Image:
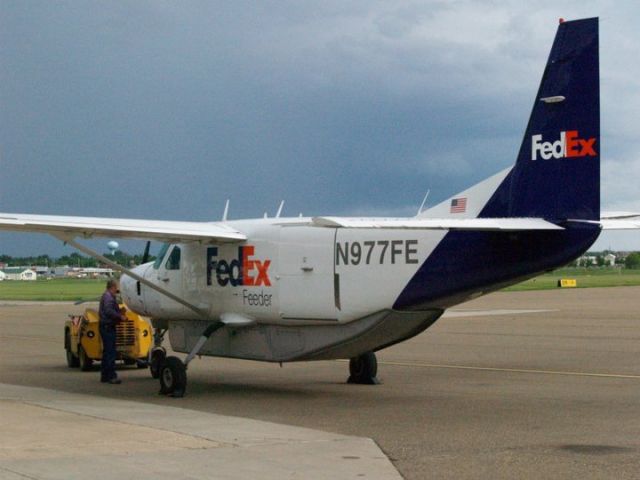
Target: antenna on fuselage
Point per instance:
(423, 202)
(226, 211)
(280, 209)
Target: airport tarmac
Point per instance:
(513, 385)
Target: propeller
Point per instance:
(145, 255)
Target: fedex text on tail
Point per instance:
(569, 145)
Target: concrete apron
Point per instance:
(48, 434)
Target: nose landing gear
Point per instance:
(173, 372)
(173, 377)
(158, 354)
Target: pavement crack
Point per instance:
(20, 474)
(122, 422)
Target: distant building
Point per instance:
(60, 271)
(610, 259)
(41, 269)
(622, 256)
(587, 260)
(20, 273)
(97, 272)
(88, 272)
(2, 275)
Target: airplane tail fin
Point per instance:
(557, 172)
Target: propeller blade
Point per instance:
(145, 256)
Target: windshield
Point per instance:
(173, 262)
(161, 254)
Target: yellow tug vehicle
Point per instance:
(83, 344)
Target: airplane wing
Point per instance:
(87, 227)
(484, 224)
(620, 220)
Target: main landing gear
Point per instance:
(173, 372)
(363, 369)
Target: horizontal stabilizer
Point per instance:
(480, 224)
(87, 227)
(616, 221)
(620, 224)
(619, 215)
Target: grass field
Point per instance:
(586, 277)
(71, 289)
(59, 289)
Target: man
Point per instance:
(110, 316)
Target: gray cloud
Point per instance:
(163, 110)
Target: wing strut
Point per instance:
(135, 276)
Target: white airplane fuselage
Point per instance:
(287, 273)
(308, 289)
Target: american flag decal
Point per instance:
(459, 205)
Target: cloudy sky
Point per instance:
(163, 110)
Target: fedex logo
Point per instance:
(243, 270)
(569, 145)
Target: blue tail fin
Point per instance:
(557, 174)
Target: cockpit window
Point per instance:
(173, 262)
(161, 254)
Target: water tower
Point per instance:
(113, 246)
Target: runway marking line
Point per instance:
(28, 337)
(512, 370)
(493, 312)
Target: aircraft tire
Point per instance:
(72, 360)
(173, 377)
(84, 361)
(158, 357)
(363, 369)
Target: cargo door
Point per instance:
(306, 273)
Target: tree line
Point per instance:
(632, 261)
(72, 260)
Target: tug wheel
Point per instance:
(72, 360)
(173, 377)
(84, 361)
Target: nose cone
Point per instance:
(131, 291)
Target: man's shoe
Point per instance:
(115, 381)
(103, 380)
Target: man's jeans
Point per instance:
(108, 363)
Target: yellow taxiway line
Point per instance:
(511, 370)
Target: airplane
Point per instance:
(317, 288)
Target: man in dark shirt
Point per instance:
(110, 316)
